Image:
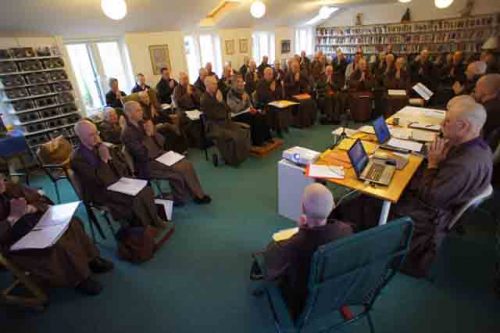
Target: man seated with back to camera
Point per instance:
(289, 261)
(97, 167)
(145, 145)
(459, 167)
(238, 101)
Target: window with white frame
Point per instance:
(94, 63)
(200, 49)
(304, 40)
(263, 44)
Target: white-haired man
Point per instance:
(289, 261)
(459, 167)
(111, 126)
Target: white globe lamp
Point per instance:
(114, 9)
(258, 9)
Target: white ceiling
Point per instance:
(84, 17)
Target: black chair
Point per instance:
(206, 141)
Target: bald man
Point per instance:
(146, 145)
(199, 83)
(165, 87)
(422, 70)
(269, 89)
(487, 92)
(186, 97)
(327, 91)
(459, 167)
(97, 167)
(473, 73)
(289, 261)
(233, 139)
(296, 83)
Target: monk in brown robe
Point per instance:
(296, 83)
(69, 263)
(289, 261)
(487, 93)
(459, 167)
(232, 138)
(399, 79)
(251, 78)
(96, 167)
(110, 129)
(186, 97)
(474, 71)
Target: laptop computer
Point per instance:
(368, 169)
(386, 142)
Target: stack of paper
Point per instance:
(325, 171)
(427, 127)
(193, 115)
(284, 234)
(423, 91)
(129, 186)
(52, 225)
(396, 92)
(282, 104)
(405, 144)
(170, 158)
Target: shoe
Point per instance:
(89, 287)
(100, 265)
(203, 201)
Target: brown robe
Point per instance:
(289, 261)
(65, 264)
(278, 119)
(492, 108)
(305, 114)
(95, 176)
(431, 199)
(110, 132)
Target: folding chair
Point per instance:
(206, 141)
(55, 172)
(130, 163)
(37, 298)
(349, 272)
(471, 204)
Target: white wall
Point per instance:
(283, 33)
(138, 49)
(236, 59)
(420, 10)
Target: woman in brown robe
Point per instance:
(70, 262)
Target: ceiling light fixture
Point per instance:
(114, 9)
(324, 13)
(443, 3)
(258, 9)
(404, 1)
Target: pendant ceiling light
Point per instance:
(258, 9)
(114, 9)
(404, 1)
(443, 3)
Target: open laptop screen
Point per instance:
(358, 157)
(381, 130)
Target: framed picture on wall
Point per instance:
(285, 46)
(229, 47)
(244, 45)
(160, 57)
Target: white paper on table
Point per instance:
(396, 92)
(129, 186)
(193, 114)
(423, 136)
(325, 171)
(51, 226)
(423, 91)
(168, 206)
(401, 133)
(349, 132)
(427, 127)
(415, 111)
(239, 113)
(367, 129)
(170, 158)
(284, 234)
(405, 144)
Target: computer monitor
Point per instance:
(381, 130)
(358, 156)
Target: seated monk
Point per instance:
(186, 97)
(200, 81)
(232, 138)
(459, 167)
(145, 145)
(97, 167)
(331, 101)
(296, 83)
(270, 89)
(69, 263)
(487, 93)
(473, 73)
(289, 261)
(111, 129)
(238, 101)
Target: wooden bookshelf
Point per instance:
(446, 35)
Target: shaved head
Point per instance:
(464, 120)
(476, 68)
(87, 133)
(487, 87)
(133, 111)
(317, 204)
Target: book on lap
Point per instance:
(49, 229)
(170, 158)
(282, 104)
(129, 186)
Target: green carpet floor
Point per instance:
(198, 281)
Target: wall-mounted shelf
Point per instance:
(29, 58)
(33, 84)
(33, 71)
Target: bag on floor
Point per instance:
(136, 244)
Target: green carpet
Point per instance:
(198, 281)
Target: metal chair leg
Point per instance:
(93, 220)
(370, 322)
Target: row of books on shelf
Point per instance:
(477, 22)
(38, 139)
(50, 124)
(43, 102)
(404, 48)
(459, 36)
(29, 52)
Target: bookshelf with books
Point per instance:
(446, 35)
(36, 94)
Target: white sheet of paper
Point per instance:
(52, 225)
(423, 136)
(396, 92)
(170, 158)
(367, 129)
(325, 171)
(348, 131)
(168, 205)
(242, 112)
(405, 144)
(423, 91)
(129, 186)
(193, 114)
(401, 133)
(413, 111)
(427, 127)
